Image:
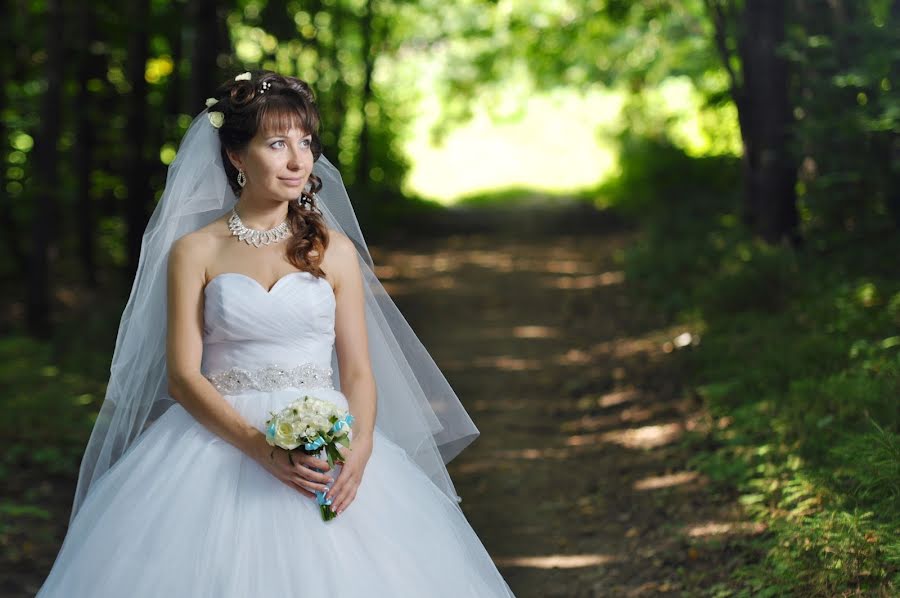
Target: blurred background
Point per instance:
(653, 244)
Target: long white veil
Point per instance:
(417, 408)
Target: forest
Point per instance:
(744, 238)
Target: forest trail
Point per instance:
(578, 484)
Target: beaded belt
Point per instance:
(273, 377)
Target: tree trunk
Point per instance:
(770, 199)
(46, 179)
(339, 89)
(364, 159)
(137, 179)
(760, 91)
(89, 66)
(175, 101)
(13, 242)
(204, 71)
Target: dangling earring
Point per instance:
(241, 179)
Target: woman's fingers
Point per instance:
(311, 461)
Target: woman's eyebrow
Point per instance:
(274, 135)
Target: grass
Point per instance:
(800, 354)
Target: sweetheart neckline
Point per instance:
(259, 284)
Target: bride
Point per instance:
(254, 288)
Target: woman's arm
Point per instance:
(351, 339)
(357, 382)
(184, 346)
(184, 350)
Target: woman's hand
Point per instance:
(299, 475)
(355, 459)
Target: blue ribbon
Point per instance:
(320, 498)
(341, 423)
(316, 444)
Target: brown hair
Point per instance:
(270, 101)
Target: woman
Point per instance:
(247, 297)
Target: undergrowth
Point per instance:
(799, 353)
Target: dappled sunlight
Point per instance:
(533, 454)
(624, 347)
(647, 437)
(617, 397)
(535, 332)
(492, 260)
(383, 272)
(723, 528)
(573, 357)
(581, 283)
(565, 266)
(439, 283)
(591, 423)
(508, 363)
(657, 482)
(557, 561)
(632, 414)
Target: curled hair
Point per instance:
(272, 102)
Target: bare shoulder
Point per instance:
(339, 244)
(340, 259)
(193, 251)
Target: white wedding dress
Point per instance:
(185, 514)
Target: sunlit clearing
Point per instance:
(557, 561)
(552, 145)
(665, 481)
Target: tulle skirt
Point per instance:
(186, 514)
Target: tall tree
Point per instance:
(90, 66)
(137, 175)
(204, 16)
(8, 40)
(46, 181)
(749, 36)
(367, 49)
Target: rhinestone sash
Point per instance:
(273, 377)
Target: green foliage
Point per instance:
(800, 358)
(846, 110)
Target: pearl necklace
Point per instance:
(254, 237)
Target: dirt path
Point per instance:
(577, 485)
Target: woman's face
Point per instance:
(277, 164)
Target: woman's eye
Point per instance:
(306, 142)
(279, 141)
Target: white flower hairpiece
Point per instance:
(210, 102)
(215, 118)
(243, 77)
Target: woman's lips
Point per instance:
(292, 182)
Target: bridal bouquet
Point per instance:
(314, 426)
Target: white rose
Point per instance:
(285, 437)
(243, 77)
(216, 118)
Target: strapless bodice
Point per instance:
(247, 327)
